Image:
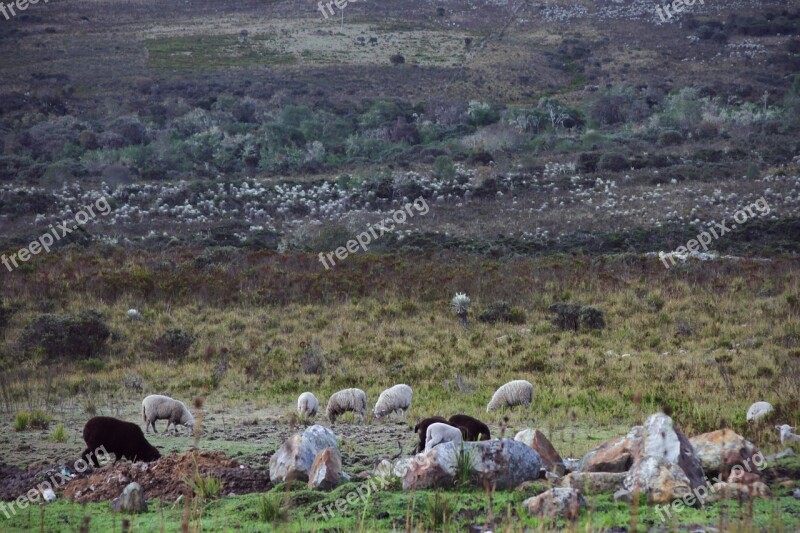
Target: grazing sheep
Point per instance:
(157, 407)
(787, 435)
(758, 410)
(397, 398)
(307, 404)
(347, 400)
(474, 428)
(517, 392)
(123, 439)
(439, 433)
(422, 430)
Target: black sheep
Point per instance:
(123, 439)
(472, 428)
(422, 428)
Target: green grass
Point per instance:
(443, 510)
(212, 51)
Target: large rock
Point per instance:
(666, 466)
(551, 460)
(594, 482)
(434, 468)
(326, 472)
(556, 503)
(130, 501)
(504, 463)
(614, 455)
(294, 459)
(720, 450)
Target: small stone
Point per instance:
(130, 501)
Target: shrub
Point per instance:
(613, 162)
(173, 344)
(70, 337)
(397, 59)
(502, 312)
(574, 316)
(443, 168)
(313, 360)
(270, 508)
(587, 162)
(482, 114)
(22, 421)
(59, 434)
(670, 137)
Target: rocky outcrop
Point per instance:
(556, 503)
(294, 459)
(551, 460)
(326, 472)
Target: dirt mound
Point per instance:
(15, 481)
(166, 478)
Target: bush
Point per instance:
(58, 336)
(482, 114)
(613, 162)
(59, 434)
(502, 312)
(574, 316)
(173, 344)
(670, 137)
(443, 168)
(587, 162)
(37, 419)
(397, 59)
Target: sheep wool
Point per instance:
(513, 393)
(787, 436)
(397, 398)
(307, 404)
(158, 407)
(758, 410)
(439, 433)
(347, 400)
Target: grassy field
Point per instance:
(701, 341)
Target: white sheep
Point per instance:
(787, 435)
(440, 433)
(347, 400)
(393, 399)
(517, 392)
(157, 407)
(307, 404)
(759, 410)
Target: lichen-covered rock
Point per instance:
(666, 466)
(131, 500)
(326, 472)
(551, 460)
(556, 503)
(720, 450)
(294, 459)
(504, 463)
(614, 455)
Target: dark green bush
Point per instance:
(502, 311)
(173, 344)
(613, 162)
(63, 336)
